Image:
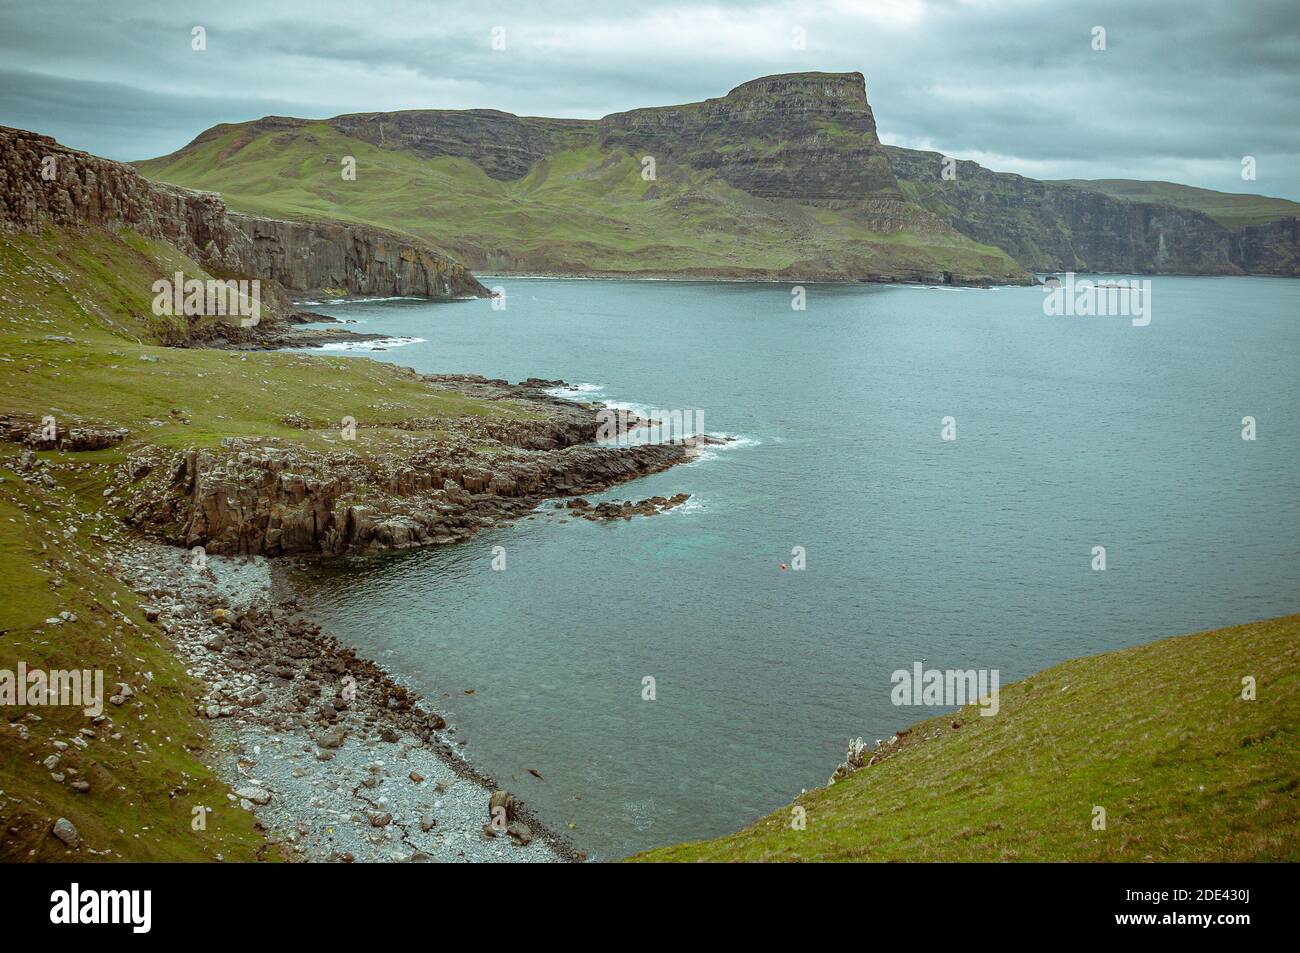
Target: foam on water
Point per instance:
(384, 344)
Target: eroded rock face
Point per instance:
(505, 146)
(275, 501)
(43, 183)
(808, 137)
(805, 137)
(1053, 227)
(1272, 248)
(327, 256)
(79, 436)
(250, 498)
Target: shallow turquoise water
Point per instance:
(975, 553)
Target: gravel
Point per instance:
(330, 774)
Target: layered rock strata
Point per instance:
(44, 184)
(446, 480)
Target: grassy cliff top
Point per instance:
(579, 209)
(1230, 209)
(78, 339)
(1159, 736)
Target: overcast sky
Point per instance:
(1183, 90)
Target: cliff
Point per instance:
(1058, 227)
(361, 260)
(804, 137)
(783, 178)
(44, 184)
(253, 499)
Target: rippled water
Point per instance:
(974, 553)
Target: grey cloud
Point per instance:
(1184, 86)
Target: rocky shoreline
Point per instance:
(44, 184)
(781, 277)
(282, 334)
(338, 761)
(438, 481)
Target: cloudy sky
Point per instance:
(1183, 90)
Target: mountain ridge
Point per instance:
(783, 177)
(1063, 226)
(46, 184)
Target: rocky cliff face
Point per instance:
(505, 146)
(44, 184)
(317, 256)
(1272, 248)
(808, 137)
(775, 153)
(1051, 227)
(257, 498)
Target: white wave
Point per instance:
(641, 410)
(710, 451)
(382, 344)
(916, 287)
(375, 300)
(576, 392)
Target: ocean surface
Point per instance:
(978, 552)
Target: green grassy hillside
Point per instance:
(78, 334)
(1159, 736)
(579, 210)
(78, 340)
(1230, 209)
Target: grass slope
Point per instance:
(578, 211)
(144, 769)
(1232, 210)
(78, 340)
(1157, 735)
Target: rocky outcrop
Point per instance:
(316, 257)
(51, 435)
(1271, 248)
(505, 146)
(43, 184)
(608, 510)
(252, 500)
(270, 498)
(806, 137)
(1054, 227)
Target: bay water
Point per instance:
(976, 552)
